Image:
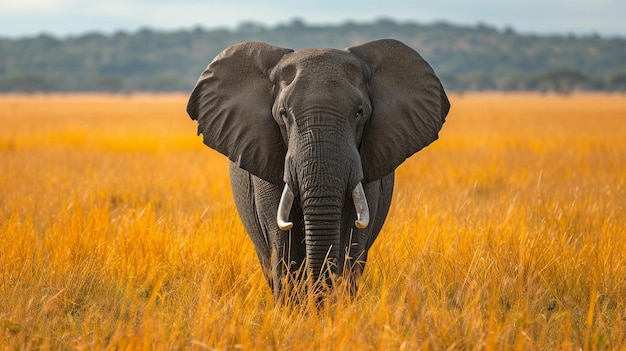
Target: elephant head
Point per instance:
(320, 122)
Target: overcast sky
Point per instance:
(19, 18)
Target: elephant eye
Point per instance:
(358, 113)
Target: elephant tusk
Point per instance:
(284, 208)
(360, 204)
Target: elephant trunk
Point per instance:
(322, 229)
(324, 171)
(322, 205)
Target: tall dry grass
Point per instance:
(117, 231)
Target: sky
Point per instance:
(61, 18)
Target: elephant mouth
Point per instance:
(358, 197)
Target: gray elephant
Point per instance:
(314, 137)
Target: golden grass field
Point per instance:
(118, 231)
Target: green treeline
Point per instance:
(465, 57)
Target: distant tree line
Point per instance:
(476, 57)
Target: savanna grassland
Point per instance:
(118, 231)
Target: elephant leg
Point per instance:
(359, 241)
(384, 190)
(286, 247)
(243, 188)
(279, 252)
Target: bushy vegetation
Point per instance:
(118, 232)
(466, 57)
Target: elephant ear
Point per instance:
(409, 106)
(232, 102)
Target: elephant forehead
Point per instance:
(323, 62)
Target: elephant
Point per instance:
(314, 137)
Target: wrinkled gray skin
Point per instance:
(319, 121)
